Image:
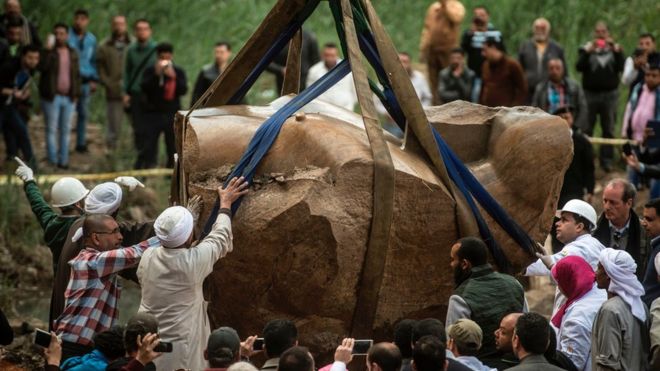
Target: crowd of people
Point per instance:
(141, 80)
(606, 308)
(600, 318)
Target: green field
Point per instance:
(194, 26)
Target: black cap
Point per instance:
(222, 339)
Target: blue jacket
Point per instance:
(94, 361)
(86, 48)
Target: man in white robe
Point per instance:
(620, 337)
(171, 277)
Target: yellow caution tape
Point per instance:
(611, 141)
(52, 178)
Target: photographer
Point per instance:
(473, 40)
(644, 108)
(601, 61)
(633, 70)
(163, 84)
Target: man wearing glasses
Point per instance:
(93, 291)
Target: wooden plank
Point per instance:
(375, 256)
(224, 87)
(416, 118)
(291, 84)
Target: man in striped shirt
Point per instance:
(93, 289)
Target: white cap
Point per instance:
(105, 198)
(174, 226)
(67, 191)
(582, 209)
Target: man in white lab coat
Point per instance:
(171, 277)
(576, 222)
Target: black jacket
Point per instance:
(49, 66)
(206, 77)
(650, 157)
(309, 56)
(472, 42)
(579, 177)
(153, 90)
(637, 245)
(529, 60)
(600, 69)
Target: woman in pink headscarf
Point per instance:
(573, 321)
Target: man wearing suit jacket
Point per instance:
(530, 341)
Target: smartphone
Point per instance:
(42, 338)
(163, 347)
(653, 141)
(627, 149)
(361, 347)
(258, 344)
(50, 41)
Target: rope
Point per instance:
(265, 136)
(52, 178)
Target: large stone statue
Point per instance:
(300, 236)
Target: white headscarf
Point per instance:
(174, 226)
(620, 268)
(105, 198)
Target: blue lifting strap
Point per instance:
(467, 184)
(265, 136)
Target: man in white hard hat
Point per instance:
(106, 199)
(577, 220)
(67, 194)
(171, 278)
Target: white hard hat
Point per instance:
(582, 209)
(67, 191)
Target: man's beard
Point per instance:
(541, 38)
(461, 275)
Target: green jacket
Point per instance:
(490, 295)
(110, 65)
(135, 55)
(55, 226)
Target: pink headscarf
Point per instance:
(575, 277)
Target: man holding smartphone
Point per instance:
(601, 61)
(163, 84)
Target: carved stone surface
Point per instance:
(301, 234)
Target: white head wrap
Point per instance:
(656, 262)
(620, 268)
(174, 226)
(105, 198)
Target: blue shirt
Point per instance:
(94, 361)
(86, 49)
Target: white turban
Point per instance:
(620, 268)
(105, 198)
(174, 226)
(656, 262)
